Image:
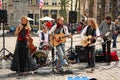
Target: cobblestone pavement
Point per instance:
(102, 71)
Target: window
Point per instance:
(59, 3)
(45, 12)
(4, 6)
(37, 2)
(54, 2)
(29, 2)
(45, 2)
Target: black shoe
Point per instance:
(68, 72)
(87, 67)
(92, 69)
(114, 47)
(108, 63)
(59, 69)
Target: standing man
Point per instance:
(56, 30)
(107, 28)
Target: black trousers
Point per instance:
(90, 55)
(106, 50)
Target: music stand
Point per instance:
(3, 49)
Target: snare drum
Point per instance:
(40, 57)
(45, 47)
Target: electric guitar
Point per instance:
(57, 39)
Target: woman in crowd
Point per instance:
(117, 27)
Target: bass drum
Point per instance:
(40, 57)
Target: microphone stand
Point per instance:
(53, 54)
(53, 59)
(3, 49)
(71, 47)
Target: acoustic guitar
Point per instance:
(57, 39)
(87, 41)
(90, 40)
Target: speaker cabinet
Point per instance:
(81, 54)
(72, 16)
(3, 16)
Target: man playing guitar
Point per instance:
(92, 31)
(107, 28)
(58, 32)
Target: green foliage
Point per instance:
(63, 12)
(113, 8)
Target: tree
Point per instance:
(113, 8)
(107, 7)
(91, 5)
(78, 11)
(71, 5)
(63, 9)
(102, 9)
(76, 4)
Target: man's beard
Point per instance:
(109, 23)
(59, 25)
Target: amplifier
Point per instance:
(81, 54)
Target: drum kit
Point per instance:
(41, 56)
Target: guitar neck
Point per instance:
(64, 36)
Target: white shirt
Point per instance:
(46, 40)
(55, 26)
(83, 33)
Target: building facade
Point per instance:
(18, 8)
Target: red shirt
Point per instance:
(20, 36)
